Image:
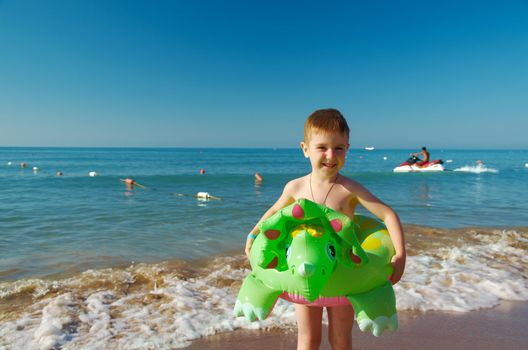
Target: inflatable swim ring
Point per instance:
(310, 254)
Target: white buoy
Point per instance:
(9, 163)
(384, 158)
(526, 165)
(92, 173)
(35, 169)
(205, 196)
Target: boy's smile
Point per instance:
(328, 165)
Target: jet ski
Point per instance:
(412, 165)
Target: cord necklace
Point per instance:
(327, 193)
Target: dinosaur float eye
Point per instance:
(330, 251)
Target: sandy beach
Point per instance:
(502, 327)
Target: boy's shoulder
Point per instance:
(296, 183)
(293, 187)
(351, 185)
(346, 181)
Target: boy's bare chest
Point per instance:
(337, 198)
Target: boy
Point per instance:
(326, 135)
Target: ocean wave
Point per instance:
(468, 276)
(170, 304)
(476, 169)
(144, 306)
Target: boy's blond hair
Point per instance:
(325, 121)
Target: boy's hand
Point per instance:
(398, 263)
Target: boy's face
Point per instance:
(326, 151)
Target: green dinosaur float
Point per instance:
(308, 253)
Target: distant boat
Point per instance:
(370, 148)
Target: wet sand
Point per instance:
(502, 327)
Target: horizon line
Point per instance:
(271, 148)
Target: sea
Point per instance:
(89, 263)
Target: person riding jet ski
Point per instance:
(416, 160)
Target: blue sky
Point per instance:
(445, 74)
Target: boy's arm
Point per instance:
(284, 200)
(392, 221)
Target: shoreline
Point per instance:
(420, 238)
(173, 303)
(501, 327)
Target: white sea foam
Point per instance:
(170, 308)
(466, 278)
(163, 318)
(476, 169)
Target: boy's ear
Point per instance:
(304, 148)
